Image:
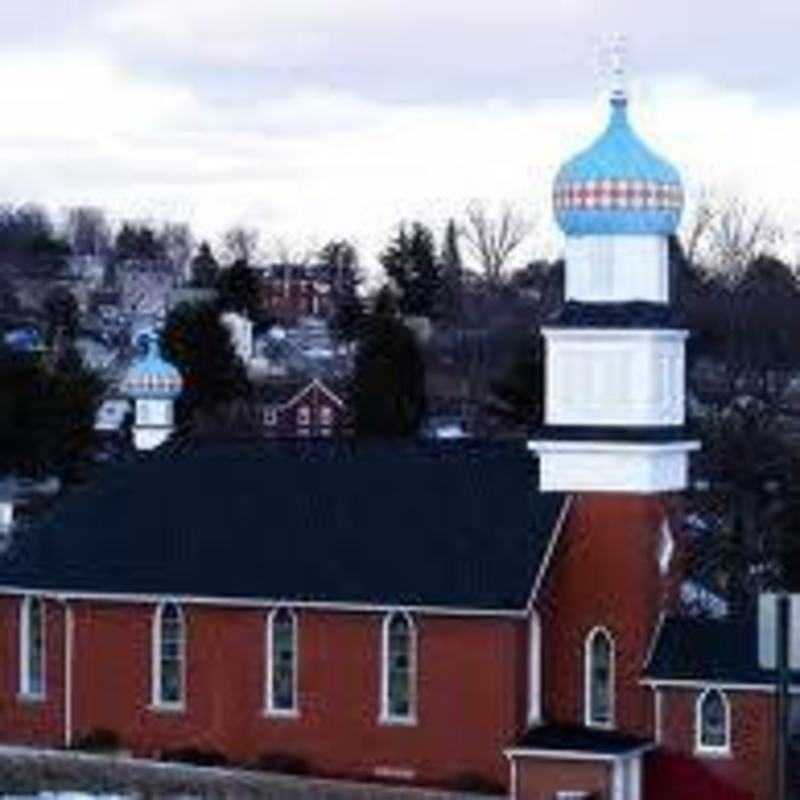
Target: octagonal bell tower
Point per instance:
(615, 355)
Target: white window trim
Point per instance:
(303, 416)
(658, 714)
(25, 691)
(155, 660)
(269, 703)
(701, 749)
(267, 603)
(587, 679)
(534, 669)
(387, 718)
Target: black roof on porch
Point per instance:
(558, 737)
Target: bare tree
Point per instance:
(178, 244)
(287, 251)
(727, 234)
(493, 238)
(88, 231)
(696, 227)
(240, 244)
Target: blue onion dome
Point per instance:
(151, 376)
(618, 185)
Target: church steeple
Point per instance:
(153, 384)
(615, 399)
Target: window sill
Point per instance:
(600, 726)
(713, 752)
(281, 713)
(167, 708)
(30, 698)
(403, 722)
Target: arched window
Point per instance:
(713, 722)
(31, 647)
(281, 662)
(599, 671)
(398, 701)
(169, 650)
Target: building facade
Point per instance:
(292, 291)
(306, 408)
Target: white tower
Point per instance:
(615, 396)
(153, 384)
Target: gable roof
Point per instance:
(308, 387)
(449, 524)
(283, 394)
(709, 650)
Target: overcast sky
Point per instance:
(312, 119)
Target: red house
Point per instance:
(304, 408)
(292, 291)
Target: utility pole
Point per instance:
(782, 705)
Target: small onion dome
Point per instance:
(618, 185)
(150, 375)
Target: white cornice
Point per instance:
(610, 446)
(262, 603)
(593, 332)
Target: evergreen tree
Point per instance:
(239, 289)
(341, 260)
(46, 415)
(452, 275)
(137, 242)
(410, 261)
(28, 242)
(61, 312)
(348, 318)
(518, 397)
(200, 346)
(61, 318)
(389, 379)
(204, 267)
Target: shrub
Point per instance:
(195, 756)
(474, 782)
(99, 740)
(282, 762)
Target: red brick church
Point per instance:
(432, 613)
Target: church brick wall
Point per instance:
(751, 765)
(605, 573)
(538, 779)
(22, 720)
(469, 673)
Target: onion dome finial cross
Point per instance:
(617, 49)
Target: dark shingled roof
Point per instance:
(451, 524)
(554, 736)
(636, 314)
(714, 650)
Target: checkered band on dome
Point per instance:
(154, 384)
(621, 195)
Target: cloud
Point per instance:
(314, 161)
(446, 50)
